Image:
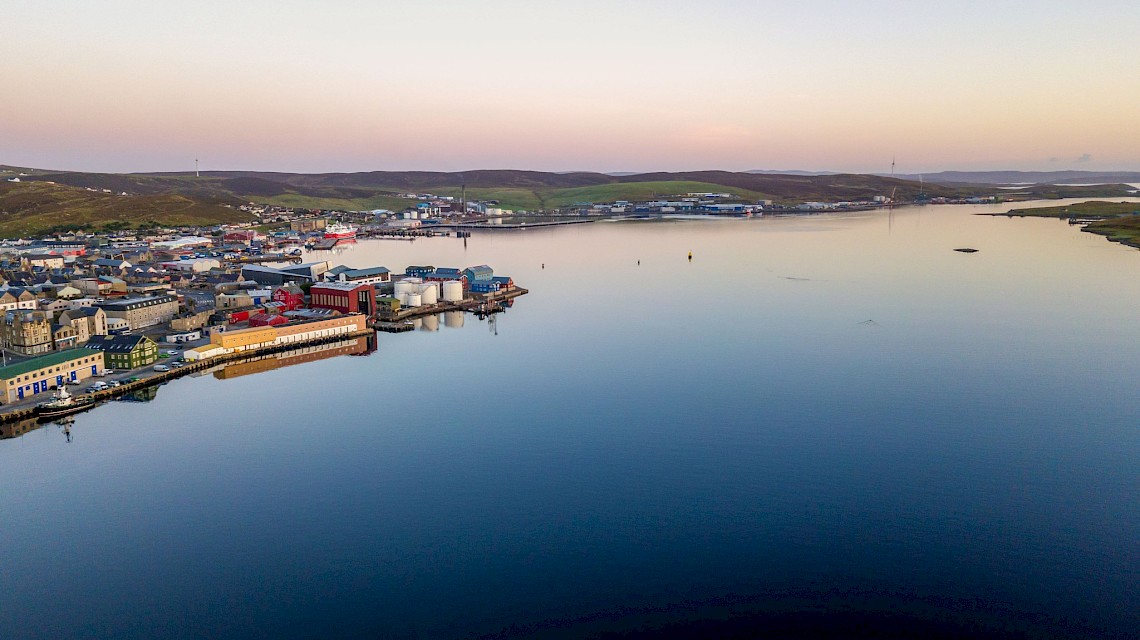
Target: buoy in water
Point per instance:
(690, 256)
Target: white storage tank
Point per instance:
(429, 294)
(413, 300)
(453, 319)
(404, 287)
(453, 291)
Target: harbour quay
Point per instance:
(125, 311)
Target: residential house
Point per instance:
(64, 336)
(142, 312)
(45, 260)
(125, 352)
(87, 322)
(27, 333)
(17, 298)
(92, 286)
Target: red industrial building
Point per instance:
(267, 320)
(344, 297)
(290, 295)
(444, 277)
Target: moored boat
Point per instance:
(63, 404)
(338, 231)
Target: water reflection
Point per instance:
(18, 428)
(354, 347)
(642, 436)
(145, 394)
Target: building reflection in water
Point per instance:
(27, 425)
(145, 394)
(18, 428)
(453, 319)
(351, 347)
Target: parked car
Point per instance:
(177, 363)
(114, 383)
(161, 367)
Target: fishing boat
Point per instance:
(63, 404)
(338, 231)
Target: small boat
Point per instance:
(63, 404)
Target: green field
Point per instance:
(35, 208)
(1090, 209)
(508, 197)
(295, 200)
(641, 191)
(538, 199)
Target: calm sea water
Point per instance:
(817, 420)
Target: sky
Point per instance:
(617, 85)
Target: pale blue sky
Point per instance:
(620, 85)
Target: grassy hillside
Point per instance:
(1125, 229)
(635, 191)
(531, 190)
(32, 208)
(367, 203)
(1091, 209)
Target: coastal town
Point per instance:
(87, 317)
(427, 212)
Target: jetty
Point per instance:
(481, 304)
(513, 225)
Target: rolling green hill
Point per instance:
(553, 198)
(529, 190)
(34, 208)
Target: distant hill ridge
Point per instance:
(513, 189)
(1026, 177)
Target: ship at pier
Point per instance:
(338, 231)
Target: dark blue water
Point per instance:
(838, 420)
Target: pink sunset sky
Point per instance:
(606, 86)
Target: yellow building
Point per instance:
(19, 381)
(243, 339)
(240, 340)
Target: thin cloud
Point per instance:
(1085, 157)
